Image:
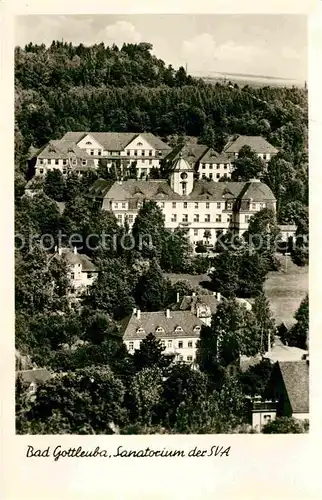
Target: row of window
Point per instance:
(196, 218)
(228, 205)
(56, 161)
(211, 176)
(130, 218)
(170, 344)
(213, 165)
(41, 171)
(88, 275)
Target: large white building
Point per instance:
(145, 149)
(64, 156)
(179, 332)
(198, 206)
(257, 143)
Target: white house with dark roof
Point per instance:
(179, 332)
(33, 377)
(145, 149)
(214, 165)
(64, 156)
(195, 205)
(81, 270)
(257, 143)
(205, 305)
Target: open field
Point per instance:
(284, 289)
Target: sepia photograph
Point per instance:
(161, 198)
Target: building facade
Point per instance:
(215, 166)
(261, 146)
(61, 155)
(179, 332)
(122, 149)
(81, 270)
(197, 206)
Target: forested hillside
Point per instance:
(66, 87)
(97, 381)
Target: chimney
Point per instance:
(138, 313)
(168, 313)
(134, 310)
(75, 250)
(218, 296)
(178, 297)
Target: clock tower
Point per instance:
(181, 180)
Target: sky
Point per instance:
(264, 45)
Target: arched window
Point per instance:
(140, 330)
(88, 142)
(159, 329)
(178, 329)
(139, 144)
(197, 328)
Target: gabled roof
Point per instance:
(182, 164)
(281, 352)
(150, 321)
(203, 190)
(117, 141)
(295, 376)
(77, 258)
(191, 152)
(190, 302)
(212, 156)
(256, 142)
(155, 141)
(257, 191)
(62, 149)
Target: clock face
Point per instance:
(184, 175)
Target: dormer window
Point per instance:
(140, 330)
(159, 329)
(197, 328)
(178, 329)
(84, 162)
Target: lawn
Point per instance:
(285, 289)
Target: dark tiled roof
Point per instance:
(190, 303)
(150, 321)
(191, 152)
(117, 141)
(37, 375)
(212, 156)
(161, 190)
(295, 375)
(77, 258)
(256, 142)
(257, 191)
(155, 141)
(74, 136)
(62, 149)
